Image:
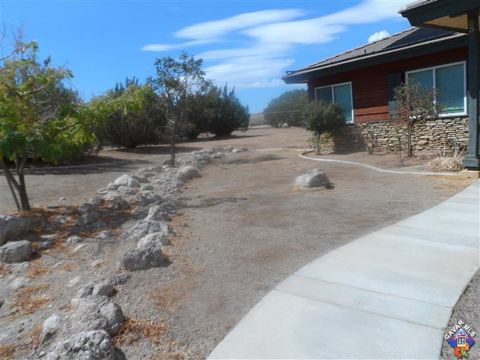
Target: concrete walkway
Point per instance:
(387, 295)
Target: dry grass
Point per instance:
(35, 335)
(134, 330)
(67, 267)
(27, 302)
(36, 269)
(445, 163)
(4, 270)
(7, 351)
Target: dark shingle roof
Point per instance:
(402, 40)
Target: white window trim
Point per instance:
(333, 96)
(433, 68)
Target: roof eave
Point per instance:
(302, 76)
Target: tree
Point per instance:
(175, 80)
(414, 103)
(287, 108)
(128, 115)
(322, 117)
(229, 114)
(39, 117)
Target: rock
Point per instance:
(313, 178)
(187, 173)
(142, 228)
(147, 198)
(95, 202)
(119, 279)
(104, 235)
(16, 251)
(126, 181)
(50, 328)
(84, 292)
(12, 228)
(155, 240)
(86, 345)
(58, 221)
(63, 198)
(74, 239)
(127, 190)
(148, 187)
(96, 312)
(143, 259)
(119, 203)
(140, 178)
(103, 289)
(87, 218)
(157, 213)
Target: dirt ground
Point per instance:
(239, 230)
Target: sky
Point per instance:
(246, 44)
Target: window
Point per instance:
(340, 94)
(449, 80)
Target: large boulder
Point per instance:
(143, 259)
(127, 181)
(155, 240)
(97, 312)
(12, 228)
(86, 345)
(16, 251)
(50, 328)
(187, 173)
(312, 179)
(144, 227)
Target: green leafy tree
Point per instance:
(322, 117)
(175, 80)
(287, 108)
(39, 117)
(414, 104)
(128, 115)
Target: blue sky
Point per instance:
(248, 44)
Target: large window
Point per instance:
(449, 81)
(340, 94)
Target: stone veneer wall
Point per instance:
(442, 134)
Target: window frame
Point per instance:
(434, 74)
(333, 96)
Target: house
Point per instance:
(362, 82)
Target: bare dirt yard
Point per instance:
(239, 229)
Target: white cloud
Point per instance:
(271, 36)
(379, 35)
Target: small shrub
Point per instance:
(321, 117)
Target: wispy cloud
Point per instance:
(379, 35)
(271, 36)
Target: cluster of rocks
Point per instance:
(146, 200)
(431, 136)
(87, 332)
(13, 248)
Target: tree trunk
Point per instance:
(317, 142)
(18, 187)
(173, 138)
(409, 140)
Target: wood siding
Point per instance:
(369, 85)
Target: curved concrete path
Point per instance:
(387, 295)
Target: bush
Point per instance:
(128, 116)
(321, 117)
(224, 113)
(287, 108)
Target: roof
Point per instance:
(417, 4)
(364, 55)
